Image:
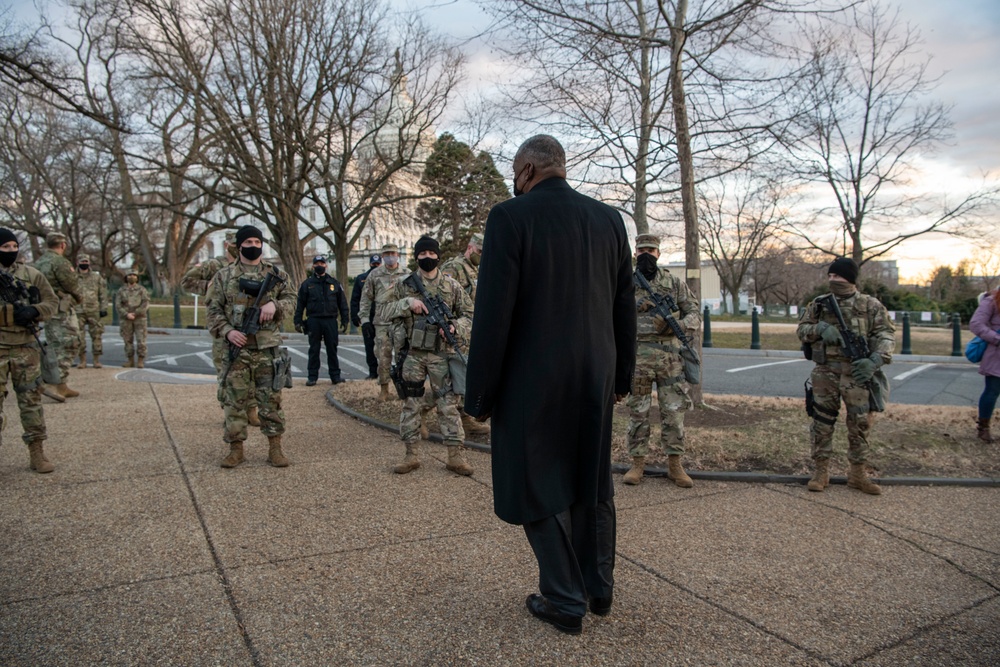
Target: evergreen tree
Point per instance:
(464, 187)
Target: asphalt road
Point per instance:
(914, 382)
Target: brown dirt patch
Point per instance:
(764, 434)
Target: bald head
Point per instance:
(538, 158)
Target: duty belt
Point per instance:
(665, 348)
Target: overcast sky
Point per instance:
(962, 38)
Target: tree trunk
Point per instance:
(132, 213)
(645, 130)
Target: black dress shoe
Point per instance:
(310, 383)
(543, 609)
(601, 606)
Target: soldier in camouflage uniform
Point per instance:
(62, 330)
(196, 281)
(233, 289)
(464, 269)
(20, 358)
(429, 355)
(133, 302)
(860, 384)
(658, 360)
(94, 307)
(378, 289)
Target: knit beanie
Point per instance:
(248, 232)
(426, 243)
(846, 268)
(6, 236)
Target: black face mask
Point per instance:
(646, 264)
(84, 267)
(8, 257)
(319, 270)
(251, 252)
(427, 264)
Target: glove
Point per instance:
(661, 324)
(644, 304)
(343, 327)
(863, 370)
(25, 315)
(298, 327)
(356, 322)
(103, 313)
(829, 334)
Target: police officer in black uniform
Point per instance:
(368, 330)
(321, 297)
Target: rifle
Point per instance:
(251, 316)
(855, 346)
(13, 292)
(664, 306)
(438, 313)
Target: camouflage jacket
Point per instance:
(199, 277)
(132, 299)
(397, 309)
(865, 315)
(226, 303)
(688, 315)
(47, 303)
(463, 272)
(378, 290)
(63, 279)
(95, 292)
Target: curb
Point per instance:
(707, 475)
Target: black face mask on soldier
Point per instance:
(251, 252)
(646, 264)
(8, 257)
(84, 267)
(427, 264)
(319, 270)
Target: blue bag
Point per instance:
(975, 349)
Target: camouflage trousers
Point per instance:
(220, 355)
(93, 322)
(134, 329)
(62, 331)
(832, 384)
(418, 366)
(383, 350)
(22, 364)
(656, 365)
(250, 379)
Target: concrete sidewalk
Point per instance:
(140, 550)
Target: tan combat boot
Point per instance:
(38, 461)
(64, 389)
(983, 431)
(473, 427)
(274, 455)
(97, 361)
(821, 477)
(456, 462)
(83, 362)
(634, 475)
(130, 363)
(675, 471)
(858, 479)
(53, 394)
(410, 462)
(235, 455)
(384, 393)
(252, 417)
(140, 364)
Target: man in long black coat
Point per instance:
(553, 348)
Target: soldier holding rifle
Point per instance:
(247, 302)
(849, 336)
(436, 315)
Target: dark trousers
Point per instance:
(323, 329)
(575, 550)
(368, 334)
(988, 399)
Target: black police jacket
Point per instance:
(321, 296)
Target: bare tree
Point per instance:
(784, 275)
(864, 122)
(740, 215)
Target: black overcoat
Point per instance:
(553, 340)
